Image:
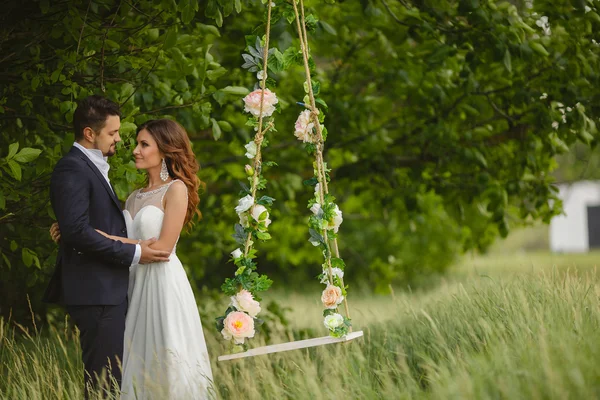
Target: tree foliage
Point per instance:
(444, 121)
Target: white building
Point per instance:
(578, 230)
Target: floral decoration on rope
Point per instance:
(240, 319)
(326, 216)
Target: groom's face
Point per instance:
(106, 140)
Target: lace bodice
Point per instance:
(144, 213)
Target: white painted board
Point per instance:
(300, 344)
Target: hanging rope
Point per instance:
(258, 138)
(314, 112)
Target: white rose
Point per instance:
(333, 321)
(257, 212)
(337, 272)
(334, 272)
(304, 127)
(237, 253)
(244, 204)
(243, 301)
(337, 219)
(251, 149)
(316, 208)
(243, 220)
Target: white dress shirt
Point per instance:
(100, 162)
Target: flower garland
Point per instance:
(240, 319)
(327, 216)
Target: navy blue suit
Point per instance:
(92, 271)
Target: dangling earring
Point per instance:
(164, 172)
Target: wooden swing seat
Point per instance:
(300, 344)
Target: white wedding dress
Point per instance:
(165, 353)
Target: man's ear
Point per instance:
(88, 134)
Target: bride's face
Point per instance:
(146, 153)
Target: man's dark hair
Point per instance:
(92, 112)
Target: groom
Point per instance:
(92, 271)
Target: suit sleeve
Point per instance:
(69, 192)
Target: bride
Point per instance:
(165, 352)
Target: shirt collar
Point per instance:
(96, 157)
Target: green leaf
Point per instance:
(263, 235)
(27, 256)
(35, 82)
(219, 18)
(26, 155)
(214, 74)
(44, 6)
(240, 271)
(226, 126)
(585, 136)
(311, 22)
(315, 237)
(479, 157)
(235, 90)
(2, 201)
(539, 48)
(262, 283)
(327, 312)
(558, 143)
(230, 287)
(238, 6)
(316, 87)
(338, 263)
(265, 201)
(310, 182)
(15, 169)
(13, 245)
(128, 127)
(216, 129)
(170, 38)
(212, 11)
(12, 150)
(112, 44)
(507, 61)
(188, 11)
(328, 28)
(320, 101)
(593, 15)
(7, 261)
(209, 29)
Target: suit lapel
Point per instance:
(99, 175)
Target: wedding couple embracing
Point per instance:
(117, 272)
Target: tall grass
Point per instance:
(483, 335)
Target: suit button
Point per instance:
(123, 231)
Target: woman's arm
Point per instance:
(176, 200)
(70, 197)
(119, 238)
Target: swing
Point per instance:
(324, 238)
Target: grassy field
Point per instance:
(507, 326)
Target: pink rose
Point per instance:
(332, 296)
(243, 301)
(304, 127)
(252, 103)
(238, 326)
